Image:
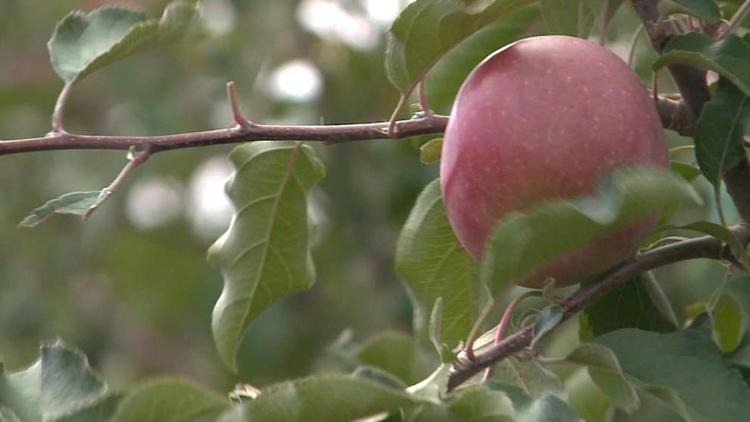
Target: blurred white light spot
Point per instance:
(382, 12)
(297, 80)
(154, 202)
(218, 16)
(328, 19)
(209, 208)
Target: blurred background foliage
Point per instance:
(131, 286)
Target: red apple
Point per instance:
(543, 118)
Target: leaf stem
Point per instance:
(136, 159)
(59, 110)
(739, 17)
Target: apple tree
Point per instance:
(577, 250)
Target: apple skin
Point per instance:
(545, 118)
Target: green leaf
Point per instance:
(398, 354)
(704, 9)
(576, 17)
(606, 373)
(169, 400)
(58, 386)
(548, 408)
(75, 203)
(426, 29)
(331, 398)
(530, 376)
(434, 387)
(481, 403)
(445, 78)
(548, 319)
(720, 131)
(728, 323)
(177, 18)
(430, 151)
(524, 242)
(720, 232)
(433, 264)
(686, 170)
(83, 42)
(630, 305)
(265, 253)
(435, 328)
(689, 364)
(739, 289)
(659, 404)
(100, 410)
(729, 57)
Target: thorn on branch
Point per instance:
(235, 105)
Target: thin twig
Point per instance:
(324, 133)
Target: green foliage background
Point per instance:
(138, 302)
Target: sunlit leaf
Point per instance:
(265, 253)
(728, 323)
(433, 264)
(430, 151)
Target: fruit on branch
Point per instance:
(545, 118)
